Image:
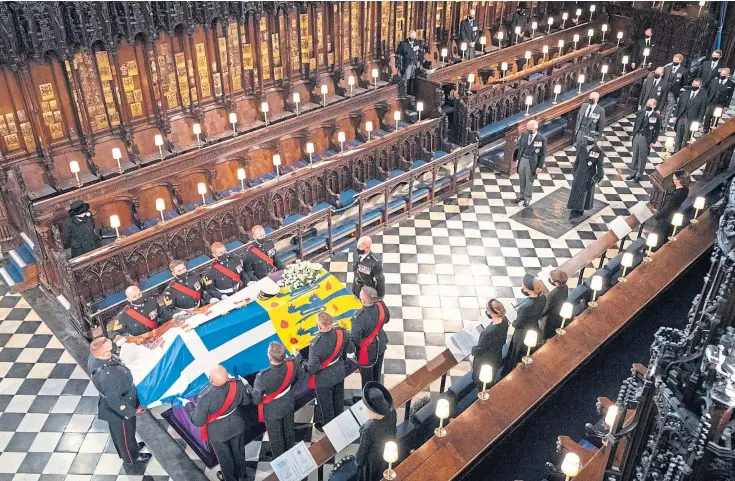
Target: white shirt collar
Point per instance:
(363, 256)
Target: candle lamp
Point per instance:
(233, 121)
(564, 17)
(351, 83)
(561, 47)
(604, 31)
(717, 114)
(694, 128)
(158, 140)
(570, 466)
(701, 4)
(566, 313)
(161, 207)
(397, 118)
(646, 53)
(325, 91)
(485, 377)
(277, 164)
(442, 412)
(596, 286)
(592, 10)
(375, 77)
(677, 221)
(529, 341)
(341, 139)
(504, 68)
(390, 455)
(500, 39)
(669, 147)
(590, 34)
(529, 102)
(419, 108)
(651, 242)
(74, 168)
(611, 417)
(557, 91)
(463, 48)
(534, 26)
(575, 39)
(527, 56)
(549, 22)
(310, 150)
(241, 177)
(518, 33)
(368, 128)
(444, 55)
(296, 101)
(115, 224)
(545, 51)
(117, 155)
(470, 81)
(604, 70)
(264, 108)
(197, 129)
(202, 189)
(580, 81)
(627, 263)
(620, 37)
(699, 203)
(579, 14)
(624, 62)
(483, 42)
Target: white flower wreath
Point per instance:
(300, 274)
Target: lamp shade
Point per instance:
(518, 30)
(591, 32)
(604, 69)
(158, 140)
(579, 12)
(627, 260)
(611, 415)
(276, 159)
(580, 79)
(529, 100)
(74, 167)
(500, 35)
(390, 452)
(695, 126)
(296, 97)
(567, 309)
(678, 219)
(560, 44)
(233, 118)
(341, 137)
(669, 144)
(160, 205)
(620, 35)
(486, 373)
(534, 25)
(531, 338)
(444, 53)
(196, 128)
(646, 52)
(325, 89)
(201, 188)
(557, 88)
(116, 154)
(419, 106)
(351, 80)
(368, 126)
(564, 15)
(596, 283)
(397, 115)
(504, 66)
(604, 27)
(652, 240)
(264, 107)
(241, 174)
(483, 41)
(527, 56)
(114, 221)
(570, 465)
(550, 21)
(717, 112)
(625, 60)
(471, 78)
(702, 3)
(463, 47)
(576, 37)
(442, 409)
(592, 7)
(545, 49)
(375, 73)
(699, 203)
(309, 148)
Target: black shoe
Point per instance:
(319, 427)
(517, 200)
(637, 179)
(141, 445)
(590, 430)
(220, 476)
(142, 458)
(631, 176)
(575, 213)
(526, 203)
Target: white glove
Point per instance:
(244, 381)
(224, 296)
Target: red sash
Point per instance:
(270, 397)
(328, 361)
(363, 359)
(185, 290)
(262, 255)
(146, 321)
(231, 392)
(229, 273)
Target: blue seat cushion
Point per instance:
(347, 197)
(535, 76)
(291, 219)
(439, 153)
(197, 261)
(463, 173)
(108, 301)
(371, 216)
(286, 255)
(395, 173)
(343, 228)
(321, 206)
(443, 182)
(552, 129)
(373, 182)
(230, 246)
(379, 133)
(131, 229)
(395, 204)
(156, 279)
(417, 163)
(418, 194)
(499, 126)
(329, 153)
(314, 242)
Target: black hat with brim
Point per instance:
(78, 207)
(377, 398)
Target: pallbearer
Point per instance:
(224, 276)
(218, 413)
(260, 260)
(140, 314)
(184, 292)
(368, 335)
(368, 269)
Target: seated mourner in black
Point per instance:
(380, 429)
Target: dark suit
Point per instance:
(469, 31)
(719, 94)
(675, 80)
(645, 132)
(489, 350)
(640, 46)
(550, 318)
(709, 72)
(653, 88)
(531, 155)
(81, 235)
(373, 436)
(520, 19)
(687, 111)
(589, 120)
(409, 51)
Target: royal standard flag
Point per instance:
(238, 340)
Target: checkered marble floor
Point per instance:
(441, 267)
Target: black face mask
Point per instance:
(525, 292)
(649, 35)
(676, 64)
(649, 108)
(694, 89)
(715, 59)
(723, 77)
(138, 302)
(657, 76)
(360, 251)
(592, 102)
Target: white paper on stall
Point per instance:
(619, 227)
(342, 430)
(641, 211)
(461, 343)
(295, 464)
(359, 410)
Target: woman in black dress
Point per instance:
(380, 429)
(529, 312)
(662, 219)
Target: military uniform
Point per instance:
(224, 277)
(327, 367)
(182, 294)
(118, 403)
(137, 318)
(645, 132)
(217, 412)
(370, 340)
(260, 261)
(531, 155)
(275, 399)
(589, 118)
(368, 272)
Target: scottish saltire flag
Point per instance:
(238, 340)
